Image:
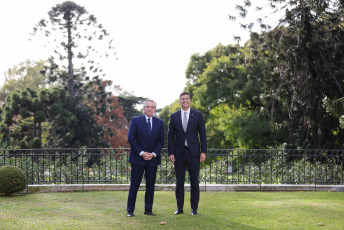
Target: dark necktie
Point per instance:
(149, 127)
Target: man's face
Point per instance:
(149, 108)
(185, 101)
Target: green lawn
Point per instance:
(217, 210)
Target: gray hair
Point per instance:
(145, 102)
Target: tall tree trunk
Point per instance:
(70, 56)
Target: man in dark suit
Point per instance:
(146, 139)
(187, 147)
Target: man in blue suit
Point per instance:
(146, 139)
(187, 147)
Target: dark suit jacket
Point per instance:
(195, 134)
(139, 140)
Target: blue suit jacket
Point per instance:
(139, 140)
(195, 134)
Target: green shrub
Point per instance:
(36, 143)
(23, 144)
(12, 179)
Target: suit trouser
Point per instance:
(193, 164)
(137, 172)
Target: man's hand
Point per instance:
(172, 159)
(147, 156)
(203, 156)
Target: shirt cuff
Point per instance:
(141, 153)
(154, 154)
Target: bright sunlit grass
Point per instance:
(217, 210)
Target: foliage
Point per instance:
(128, 101)
(300, 171)
(12, 179)
(70, 25)
(72, 167)
(109, 115)
(22, 76)
(38, 119)
(222, 87)
(165, 113)
(303, 66)
(275, 167)
(93, 166)
(242, 128)
(219, 77)
(80, 38)
(335, 108)
(277, 88)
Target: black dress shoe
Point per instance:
(193, 212)
(149, 213)
(178, 212)
(130, 214)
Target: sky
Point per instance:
(153, 39)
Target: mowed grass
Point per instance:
(217, 210)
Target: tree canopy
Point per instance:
(283, 87)
(24, 75)
(303, 67)
(81, 110)
(79, 44)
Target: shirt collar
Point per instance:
(151, 118)
(188, 111)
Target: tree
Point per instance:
(128, 101)
(25, 75)
(77, 45)
(165, 113)
(111, 118)
(222, 79)
(77, 27)
(221, 87)
(336, 109)
(304, 66)
(35, 120)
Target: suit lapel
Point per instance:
(153, 123)
(191, 118)
(179, 119)
(144, 124)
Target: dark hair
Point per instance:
(184, 93)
